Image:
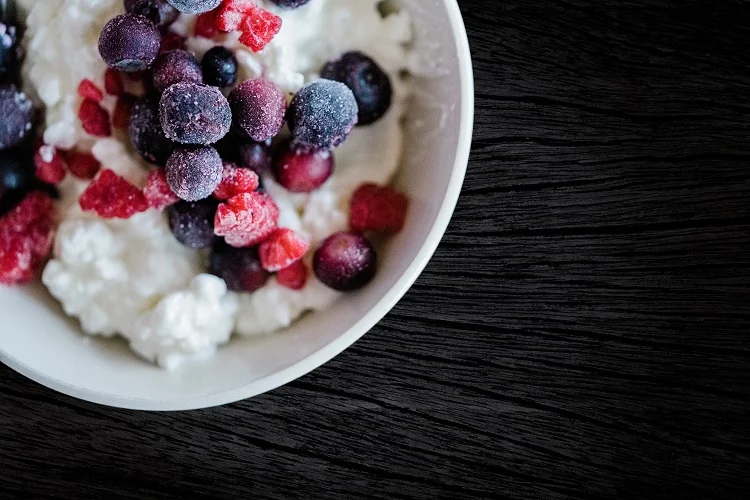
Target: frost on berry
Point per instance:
(236, 181)
(246, 219)
(157, 191)
(282, 248)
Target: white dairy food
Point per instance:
(132, 277)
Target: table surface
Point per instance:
(582, 331)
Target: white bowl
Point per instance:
(37, 340)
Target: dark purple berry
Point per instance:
(157, 11)
(345, 261)
(254, 155)
(370, 85)
(192, 223)
(290, 4)
(176, 66)
(321, 115)
(194, 114)
(258, 108)
(300, 171)
(146, 133)
(195, 6)
(194, 172)
(15, 173)
(129, 43)
(17, 116)
(9, 49)
(240, 268)
(219, 67)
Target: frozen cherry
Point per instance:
(129, 43)
(302, 172)
(157, 11)
(176, 66)
(146, 133)
(345, 261)
(258, 108)
(321, 115)
(219, 67)
(194, 114)
(192, 223)
(17, 116)
(194, 6)
(254, 155)
(240, 268)
(193, 173)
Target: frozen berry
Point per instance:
(176, 66)
(302, 172)
(258, 108)
(205, 25)
(17, 116)
(94, 119)
(192, 223)
(194, 114)
(293, 276)
(82, 165)
(15, 173)
(321, 115)
(123, 110)
(376, 208)
(254, 155)
(259, 28)
(157, 11)
(194, 172)
(282, 248)
(129, 43)
(219, 67)
(246, 219)
(345, 261)
(50, 165)
(25, 238)
(113, 84)
(240, 268)
(171, 41)
(146, 133)
(370, 85)
(228, 20)
(112, 197)
(88, 90)
(195, 6)
(157, 191)
(290, 4)
(9, 50)
(236, 181)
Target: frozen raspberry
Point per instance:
(376, 208)
(157, 191)
(194, 6)
(88, 90)
(258, 108)
(240, 268)
(229, 20)
(112, 197)
(17, 116)
(236, 181)
(293, 276)
(258, 28)
(254, 155)
(246, 219)
(25, 238)
(50, 165)
(321, 115)
(123, 110)
(94, 119)
(171, 41)
(113, 84)
(194, 114)
(219, 67)
(176, 66)
(129, 43)
(157, 11)
(290, 4)
(146, 133)
(281, 249)
(82, 165)
(345, 261)
(302, 172)
(193, 173)
(205, 25)
(241, 6)
(192, 223)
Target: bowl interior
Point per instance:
(39, 341)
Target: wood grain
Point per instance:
(581, 333)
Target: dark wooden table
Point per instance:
(581, 333)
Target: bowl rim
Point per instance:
(369, 320)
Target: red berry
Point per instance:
(302, 172)
(25, 238)
(94, 118)
(157, 191)
(82, 165)
(205, 25)
(113, 83)
(259, 28)
(282, 248)
(172, 41)
(112, 197)
(294, 276)
(229, 20)
(242, 6)
(236, 181)
(246, 219)
(123, 109)
(50, 164)
(88, 90)
(377, 208)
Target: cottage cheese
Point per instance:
(131, 277)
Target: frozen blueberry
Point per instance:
(302, 171)
(194, 6)
(258, 108)
(254, 155)
(15, 173)
(240, 268)
(290, 4)
(194, 172)
(146, 133)
(345, 261)
(192, 223)
(129, 43)
(9, 49)
(321, 115)
(157, 11)
(176, 66)
(370, 85)
(219, 67)
(194, 114)
(17, 116)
